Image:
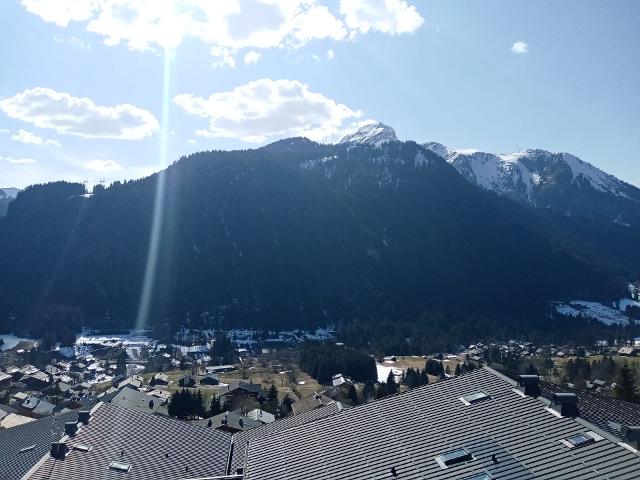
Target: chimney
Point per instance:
(529, 385)
(70, 428)
(632, 435)
(84, 416)
(566, 404)
(59, 450)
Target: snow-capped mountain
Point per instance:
(375, 133)
(544, 179)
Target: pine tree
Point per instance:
(215, 408)
(392, 386)
(626, 384)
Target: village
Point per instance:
(254, 378)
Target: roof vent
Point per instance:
(84, 416)
(27, 449)
(453, 457)
(474, 398)
(120, 467)
(480, 476)
(71, 428)
(59, 450)
(632, 435)
(566, 404)
(81, 447)
(529, 385)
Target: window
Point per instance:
(454, 457)
(579, 440)
(119, 466)
(474, 398)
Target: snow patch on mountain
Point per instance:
(374, 133)
(519, 174)
(613, 315)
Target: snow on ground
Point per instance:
(383, 372)
(625, 302)
(593, 310)
(10, 341)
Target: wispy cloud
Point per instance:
(252, 57)
(520, 48)
(102, 166)
(19, 161)
(80, 116)
(30, 138)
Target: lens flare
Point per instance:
(146, 296)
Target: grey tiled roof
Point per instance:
(240, 439)
(134, 399)
(408, 431)
(14, 463)
(143, 442)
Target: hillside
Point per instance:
(291, 234)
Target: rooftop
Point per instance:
(404, 435)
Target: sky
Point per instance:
(105, 90)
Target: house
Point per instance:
(159, 379)
(132, 399)
(36, 407)
(229, 422)
(134, 381)
(261, 416)
(210, 379)
(430, 432)
(310, 403)
(240, 389)
(13, 420)
(628, 351)
(117, 443)
(220, 369)
(339, 379)
(5, 379)
(36, 380)
(187, 381)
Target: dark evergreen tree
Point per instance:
(626, 384)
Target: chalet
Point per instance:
(261, 416)
(134, 381)
(5, 379)
(220, 369)
(187, 381)
(159, 379)
(240, 389)
(36, 381)
(210, 380)
(628, 351)
(307, 404)
(230, 422)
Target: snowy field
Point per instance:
(11, 341)
(612, 315)
(383, 372)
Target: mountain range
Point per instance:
(385, 239)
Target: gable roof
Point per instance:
(39, 433)
(145, 440)
(128, 397)
(240, 439)
(252, 388)
(407, 432)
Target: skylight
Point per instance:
(119, 466)
(475, 397)
(579, 440)
(82, 447)
(454, 457)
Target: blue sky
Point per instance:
(84, 82)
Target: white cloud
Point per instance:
(5, 131)
(68, 115)
(62, 12)
(520, 48)
(232, 25)
(266, 109)
(252, 57)
(387, 16)
(224, 56)
(18, 161)
(330, 54)
(102, 166)
(31, 138)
